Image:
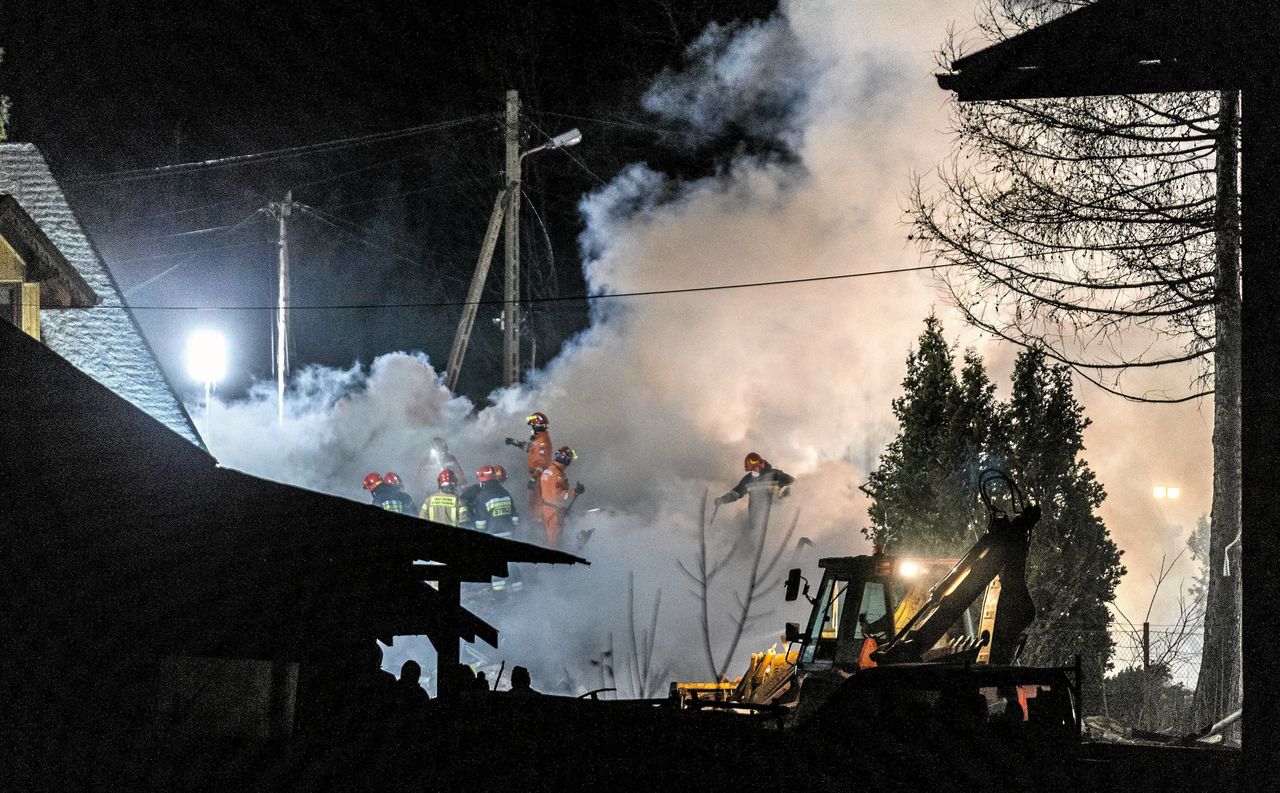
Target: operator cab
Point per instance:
(863, 601)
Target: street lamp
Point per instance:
(511, 233)
(206, 363)
(562, 141)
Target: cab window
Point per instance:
(825, 628)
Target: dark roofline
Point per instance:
(1113, 47)
(46, 260)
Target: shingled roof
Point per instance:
(105, 341)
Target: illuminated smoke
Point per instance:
(662, 396)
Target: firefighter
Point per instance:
(491, 506)
(557, 498)
(445, 505)
(397, 500)
(441, 459)
(538, 448)
(386, 492)
(762, 484)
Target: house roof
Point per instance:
(61, 284)
(122, 538)
(104, 341)
(1123, 47)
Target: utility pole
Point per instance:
(511, 240)
(282, 212)
(476, 291)
(505, 215)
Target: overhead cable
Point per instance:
(135, 174)
(558, 299)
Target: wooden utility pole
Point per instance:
(511, 240)
(282, 212)
(468, 319)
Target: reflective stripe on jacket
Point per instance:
(446, 508)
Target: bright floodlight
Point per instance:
(1158, 492)
(1174, 492)
(565, 139)
(908, 569)
(206, 356)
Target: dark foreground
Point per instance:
(513, 743)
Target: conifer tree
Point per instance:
(924, 493)
(1073, 566)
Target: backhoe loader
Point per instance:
(880, 611)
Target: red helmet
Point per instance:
(754, 462)
(447, 477)
(392, 478)
(565, 455)
(538, 421)
(500, 473)
(372, 480)
(486, 474)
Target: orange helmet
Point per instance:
(500, 473)
(447, 477)
(392, 478)
(565, 455)
(485, 474)
(538, 421)
(754, 462)
(372, 480)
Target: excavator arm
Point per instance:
(1001, 552)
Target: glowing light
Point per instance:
(1161, 491)
(1158, 492)
(206, 356)
(908, 569)
(566, 139)
(1174, 492)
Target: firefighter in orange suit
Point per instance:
(557, 497)
(539, 450)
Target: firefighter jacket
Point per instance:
(447, 508)
(391, 498)
(492, 508)
(769, 480)
(556, 494)
(539, 449)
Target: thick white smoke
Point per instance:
(663, 395)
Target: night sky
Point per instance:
(109, 87)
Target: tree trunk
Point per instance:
(1218, 689)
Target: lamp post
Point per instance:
(511, 234)
(206, 363)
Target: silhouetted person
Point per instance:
(462, 680)
(520, 682)
(410, 693)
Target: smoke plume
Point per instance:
(662, 396)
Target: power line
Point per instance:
(561, 299)
(188, 255)
(329, 220)
(135, 174)
(426, 189)
(566, 150)
(171, 213)
(189, 252)
(631, 124)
